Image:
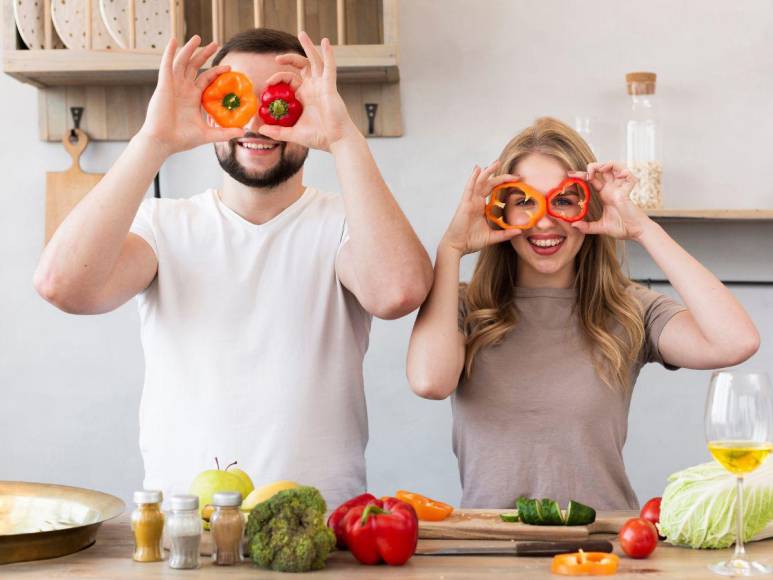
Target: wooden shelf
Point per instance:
(115, 85)
(360, 63)
(711, 214)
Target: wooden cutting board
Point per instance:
(472, 524)
(64, 189)
(481, 528)
(486, 525)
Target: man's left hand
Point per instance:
(325, 119)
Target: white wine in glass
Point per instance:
(739, 431)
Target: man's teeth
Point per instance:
(546, 243)
(257, 146)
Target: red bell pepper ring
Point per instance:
(583, 203)
(278, 105)
(384, 531)
(335, 521)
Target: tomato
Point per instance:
(651, 512)
(638, 538)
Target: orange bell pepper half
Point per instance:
(585, 564)
(427, 509)
(230, 99)
(495, 202)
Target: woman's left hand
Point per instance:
(622, 218)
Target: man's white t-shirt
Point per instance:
(253, 348)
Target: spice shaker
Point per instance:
(227, 525)
(147, 523)
(183, 528)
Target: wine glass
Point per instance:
(739, 432)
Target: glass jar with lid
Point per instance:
(183, 530)
(643, 147)
(227, 525)
(147, 524)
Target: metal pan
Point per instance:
(39, 520)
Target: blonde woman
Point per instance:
(542, 348)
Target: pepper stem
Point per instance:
(278, 108)
(372, 509)
(231, 101)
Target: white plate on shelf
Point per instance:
(70, 22)
(151, 17)
(29, 16)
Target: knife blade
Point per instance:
(521, 548)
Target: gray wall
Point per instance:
(473, 74)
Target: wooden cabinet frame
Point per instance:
(114, 85)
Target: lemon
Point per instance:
(261, 494)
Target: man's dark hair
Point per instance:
(260, 41)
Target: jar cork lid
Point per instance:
(227, 499)
(641, 83)
(148, 496)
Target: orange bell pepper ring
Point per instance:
(585, 564)
(531, 193)
(427, 509)
(230, 99)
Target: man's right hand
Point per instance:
(175, 121)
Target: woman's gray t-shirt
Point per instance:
(535, 419)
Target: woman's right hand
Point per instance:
(174, 120)
(469, 230)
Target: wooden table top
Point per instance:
(110, 558)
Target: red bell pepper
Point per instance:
(278, 105)
(384, 531)
(584, 203)
(335, 521)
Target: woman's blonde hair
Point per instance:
(603, 304)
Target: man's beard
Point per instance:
(286, 167)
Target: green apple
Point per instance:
(208, 483)
(248, 485)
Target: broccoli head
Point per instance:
(288, 533)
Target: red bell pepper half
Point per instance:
(386, 530)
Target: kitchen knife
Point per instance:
(521, 548)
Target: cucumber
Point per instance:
(578, 514)
(551, 513)
(547, 512)
(509, 518)
(522, 507)
(540, 516)
(528, 509)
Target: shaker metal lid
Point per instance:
(227, 499)
(184, 502)
(148, 496)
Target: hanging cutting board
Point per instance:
(472, 524)
(64, 189)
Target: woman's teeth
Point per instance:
(549, 243)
